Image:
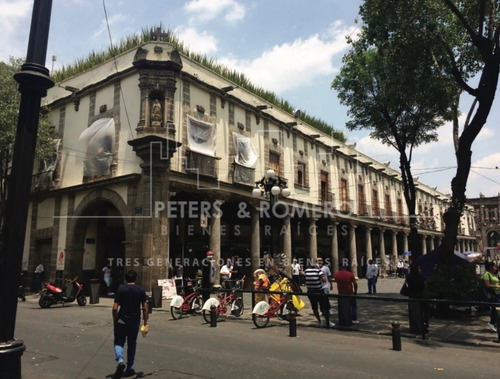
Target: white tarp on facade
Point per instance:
(98, 139)
(245, 154)
(201, 136)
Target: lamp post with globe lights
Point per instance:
(271, 187)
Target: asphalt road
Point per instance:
(77, 342)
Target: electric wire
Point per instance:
(117, 71)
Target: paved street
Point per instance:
(76, 342)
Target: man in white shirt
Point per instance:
(106, 275)
(328, 283)
(371, 277)
(225, 274)
(39, 270)
(296, 270)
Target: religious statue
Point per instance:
(156, 114)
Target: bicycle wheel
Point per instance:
(176, 312)
(237, 307)
(285, 310)
(206, 316)
(260, 321)
(197, 305)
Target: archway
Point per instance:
(96, 236)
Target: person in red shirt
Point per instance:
(347, 285)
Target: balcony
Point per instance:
(202, 165)
(243, 175)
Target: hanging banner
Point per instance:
(60, 260)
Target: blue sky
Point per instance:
(291, 47)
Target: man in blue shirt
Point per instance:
(126, 320)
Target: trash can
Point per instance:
(157, 296)
(345, 314)
(95, 287)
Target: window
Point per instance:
(301, 173)
(343, 193)
(376, 212)
(274, 162)
(388, 210)
(361, 200)
(400, 210)
(324, 187)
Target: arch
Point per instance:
(105, 212)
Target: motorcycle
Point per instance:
(56, 295)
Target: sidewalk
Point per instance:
(376, 317)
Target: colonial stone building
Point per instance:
(155, 162)
(487, 212)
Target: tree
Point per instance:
(10, 99)
(388, 81)
(462, 39)
(479, 22)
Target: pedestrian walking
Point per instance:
(371, 277)
(328, 285)
(347, 285)
(296, 271)
(314, 282)
(129, 300)
(39, 272)
(491, 282)
(106, 277)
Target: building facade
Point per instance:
(487, 212)
(155, 161)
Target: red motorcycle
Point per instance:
(57, 295)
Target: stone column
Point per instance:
(431, 243)
(382, 252)
(334, 252)
(214, 242)
(424, 244)
(153, 188)
(352, 249)
(395, 244)
(287, 244)
(369, 253)
(405, 241)
(255, 240)
(313, 242)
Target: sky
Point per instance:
(293, 48)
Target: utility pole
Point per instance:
(34, 80)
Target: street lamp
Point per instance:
(271, 186)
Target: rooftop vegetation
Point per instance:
(131, 42)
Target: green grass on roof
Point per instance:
(131, 42)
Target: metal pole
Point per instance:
(396, 336)
(213, 316)
(33, 82)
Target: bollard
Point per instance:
(292, 323)
(149, 302)
(213, 317)
(396, 336)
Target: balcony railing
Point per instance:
(243, 175)
(201, 164)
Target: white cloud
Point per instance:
(199, 42)
(206, 10)
(294, 64)
(12, 15)
(103, 28)
(485, 176)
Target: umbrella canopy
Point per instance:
(428, 263)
